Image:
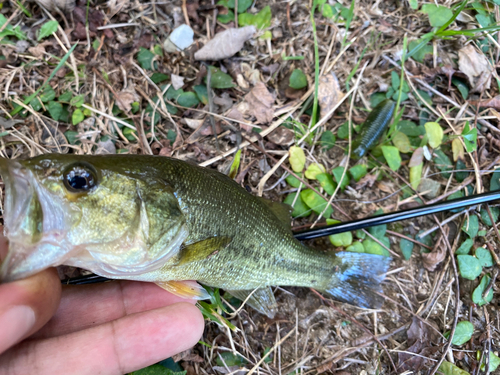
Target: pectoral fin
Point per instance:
(185, 289)
(203, 249)
(261, 300)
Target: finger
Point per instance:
(117, 347)
(84, 306)
(26, 305)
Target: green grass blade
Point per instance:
(453, 18)
(52, 75)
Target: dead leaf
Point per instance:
(53, 5)
(430, 188)
(458, 149)
(177, 81)
(476, 67)
(281, 136)
(38, 51)
(329, 94)
(251, 75)
(489, 103)
(420, 338)
(225, 44)
(125, 98)
(260, 101)
(116, 6)
(366, 181)
(193, 123)
(224, 101)
(417, 158)
(431, 260)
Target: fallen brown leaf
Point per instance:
(417, 158)
(281, 136)
(431, 260)
(329, 93)
(476, 67)
(225, 44)
(489, 103)
(260, 101)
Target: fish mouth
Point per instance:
(34, 224)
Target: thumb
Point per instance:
(26, 305)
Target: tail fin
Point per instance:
(357, 279)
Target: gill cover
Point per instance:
(65, 210)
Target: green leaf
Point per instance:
(260, 20)
(470, 138)
(495, 181)
(410, 128)
(337, 173)
(356, 247)
(402, 142)
(9, 30)
(461, 86)
(66, 97)
(171, 136)
(328, 11)
(465, 247)
(145, 58)
(494, 363)
(300, 209)
(424, 48)
(158, 77)
(471, 226)
(47, 29)
(157, 370)
(298, 79)
(226, 18)
(463, 333)
(316, 202)
(372, 247)
(313, 170)
(230, 359)
(202, 93)
(406, 248)
(391, 155)
(484, 257)
(71, 136)
(235, 165)
(443, 162)
(477, 295)
(173, 94)
(55, 110)
(77, 116)
(327, 183)
(416, 175)
(413, 4)
(341, 239)
(485, 218)
(438, 15)
(358, 171)
(376, 99)
(297, 158)
(219, 79)
(188, 99)
(343, 132)
(77, 101)
(293, 181)
(434, 134)
(47, 94)
(327, 140)
(469, 266)
(447, 368)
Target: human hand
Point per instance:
(112, 328)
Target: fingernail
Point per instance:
(15, 323)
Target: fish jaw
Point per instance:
(36, 224)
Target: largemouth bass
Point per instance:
(163, 220)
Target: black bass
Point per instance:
(166, 221)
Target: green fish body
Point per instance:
(167, 221)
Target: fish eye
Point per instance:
(80, 178)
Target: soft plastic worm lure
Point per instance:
(376, 123)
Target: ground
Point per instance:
(289, 92)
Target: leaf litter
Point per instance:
(262, 65)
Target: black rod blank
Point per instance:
(356, 224)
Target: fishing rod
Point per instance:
(353, 225)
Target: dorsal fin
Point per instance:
(282, 211)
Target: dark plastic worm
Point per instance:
(376, 123)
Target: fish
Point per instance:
(170, 222)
